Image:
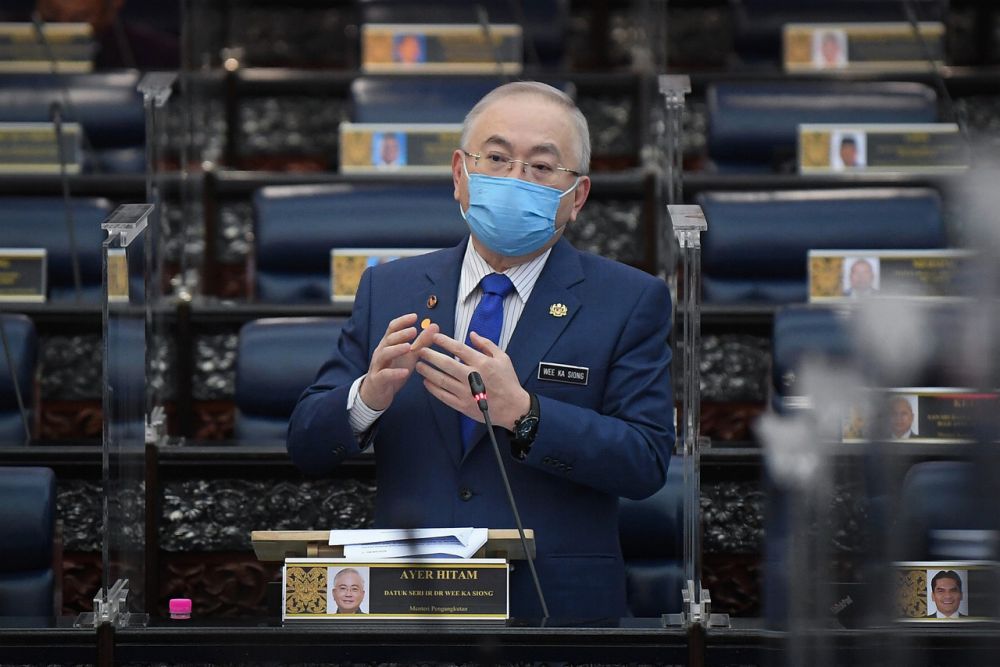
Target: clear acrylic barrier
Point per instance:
(121, 598)
(894, 534)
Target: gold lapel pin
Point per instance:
(432, 301)
(558, 310)
(426, 322)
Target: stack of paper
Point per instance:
(418, 542)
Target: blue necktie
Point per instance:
(487, 320)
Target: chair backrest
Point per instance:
(651, 536)
(276, 360)
(756, 124)
(23, 347)
(27, 528)
(40, 222)
(296, 227)
(106, 104)
(424, 99)
(946, 496)
(757, 243)
(800, 333)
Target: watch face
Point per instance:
(526, 427)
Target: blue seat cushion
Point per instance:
(408, 99)
(27, 518)
(28, 593)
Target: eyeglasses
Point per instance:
(538, 171)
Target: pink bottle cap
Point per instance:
(180, 606)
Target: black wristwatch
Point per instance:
(525, 429)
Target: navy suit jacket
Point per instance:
(612, 437)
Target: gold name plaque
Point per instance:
(864, 47)
(430, 48)
(432, 588)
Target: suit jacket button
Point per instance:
(465, 494)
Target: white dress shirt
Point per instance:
(474, 268)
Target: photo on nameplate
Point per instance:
(409, 48)
(389, 149)
(860, 277)
(848, 150)
(829, 49)
(347, 590)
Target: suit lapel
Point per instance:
(442, 283)
(540, 324)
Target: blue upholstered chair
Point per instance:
(651, 532)
(754, 126)
(23, 343)
(297, 226)
(106, 105)
(40, 222)
(27, 527)
(757, 243)
(946, 496)
(803, 332)
(277, 359)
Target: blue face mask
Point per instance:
(511, 216)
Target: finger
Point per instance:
(439, 378)
(426, 337)
(449, 365)
(461, 350)
(444, 396)
(402, 321)
(401, 336)
(393, 375)
(382, 358)
(485, 345)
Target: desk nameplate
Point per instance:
(847, 276)
(31, 148)
(23, 275)
(864, 47)
(323, 589)
(427, 48)
(874, 147)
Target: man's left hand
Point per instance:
(447, 378)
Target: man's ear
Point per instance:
(456, 173)
(580, 197)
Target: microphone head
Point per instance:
(476, 383)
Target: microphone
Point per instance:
(479, 393)
(55, 113)
(484, 22)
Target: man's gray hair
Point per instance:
(547, 92)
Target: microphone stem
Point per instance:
(513, 507)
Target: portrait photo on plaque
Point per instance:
(861, 276)
(848, 150)
(829, 48)
(946, 594)
(389, 149)
(902, 417)
(409, 48)
(348, 590)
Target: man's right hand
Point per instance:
(393, 360)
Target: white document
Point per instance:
(450, 542)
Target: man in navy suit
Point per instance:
(577, 372)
